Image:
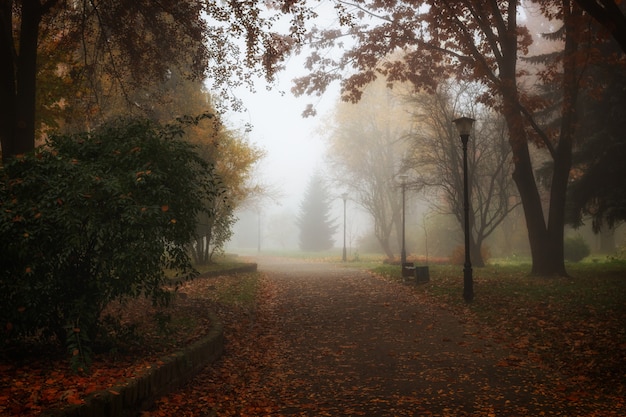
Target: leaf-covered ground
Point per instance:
(325, 341)
(38, 378)
(310, 339)
(575, 325)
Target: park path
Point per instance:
(334, 341)
(361, 345)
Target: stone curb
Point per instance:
(139, 393)
(127, 398)
(248, 267)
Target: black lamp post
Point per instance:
(403, 251)
(345, 198)
(464, 126)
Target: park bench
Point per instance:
(420, 273)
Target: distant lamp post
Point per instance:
(258, 249)
(344, 196)
(464, 126)
(403, 251)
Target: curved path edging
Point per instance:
(132, 395)
(246, 267)
(127, 398)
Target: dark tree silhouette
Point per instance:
(598, 189)
(316, 226)
(610, 14)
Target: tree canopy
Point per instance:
(597, 188)
(366, 143)
(427, 42)
(611, 15)
(435, 161)
(123, 44)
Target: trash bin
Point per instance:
(422, 274)
(407, 269)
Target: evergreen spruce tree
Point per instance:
(316, 227)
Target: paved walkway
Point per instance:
(355, 344)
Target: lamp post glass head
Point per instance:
(464, 125)
(344, 196)
(403, 178)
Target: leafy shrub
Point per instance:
(95, 217)
(575, 248)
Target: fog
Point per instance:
(294, 147)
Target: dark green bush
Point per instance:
(575, 248)
(95, 217)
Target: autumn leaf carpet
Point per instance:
(325, 340)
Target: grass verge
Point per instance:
(576, 325)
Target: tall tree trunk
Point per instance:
(563, 152)
(545, 237)
(382, 231)
(7, 75)
(542, 258)
(24, 139)
(386, 247)
(18, 72)
(207, 249)
(546, 247)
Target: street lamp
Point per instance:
(345, 198)
(403, 251)
(464, 126)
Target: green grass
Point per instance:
(601, 286)
(231, 289)
(332, 255)
(240, 290)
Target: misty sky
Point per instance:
(294, 144)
